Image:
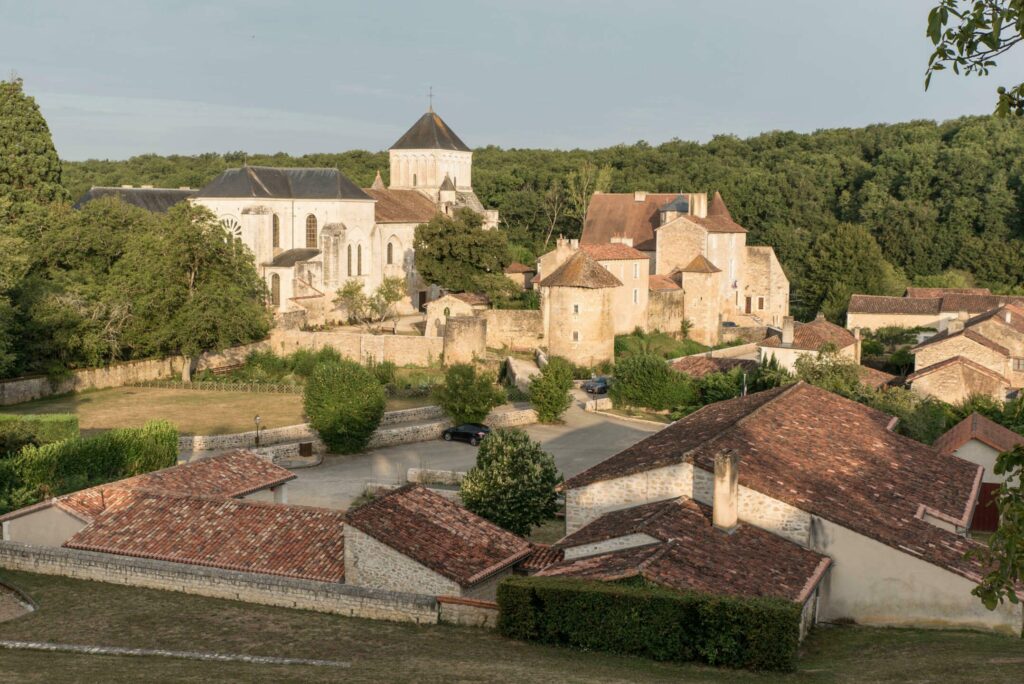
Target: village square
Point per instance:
(453, 411)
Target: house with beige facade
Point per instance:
(827, 476)
(922, 307)
(796, 339)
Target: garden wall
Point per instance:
(324, 597)
(402, 350)
(17, 390)
(519, 330)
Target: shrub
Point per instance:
(652, 622)
(549, 393)
(17, 432)
(513, 482)
(344, 404)
(384, 371)
(467, 396)
(647, 381)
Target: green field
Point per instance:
(78, 612)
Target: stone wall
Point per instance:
(665, 311)
(870, 321)
(465, 339)
(519, 330)
(369, 563)
(17, 390)
(954, 384)
(434, 477)
(324, 597)
(521, 373)
(440, 310)
(598, 404)
(469, 612)
(580, 324)
(403, 350)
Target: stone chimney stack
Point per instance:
(725, 498)
(699, 204)
(640, 196)
(787, 330)
(1007, 316)
(621, 239)
(856, 345)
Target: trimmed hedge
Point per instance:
(651, 621)
(18, 431)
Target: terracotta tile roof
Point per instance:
(662, 282)
(967, 333)
(700, 264)
(985, 430)
(440, 534)
(401, 206)
(581, 270)
(716, 207)
(516, 267)
(613, 251)
(962, 363)
(693, 555)
(976, 304)
(610, 214)
(825, 455)
(472, 298)
(717, 224)
(942, 291)
(811, 336)
(875, 304)
(541, 556)
(248, 536)
(232, 474)
(699, 365)
(874, 378)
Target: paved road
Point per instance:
(582, 441)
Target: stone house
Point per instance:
(521, 275)
(802, 339)
(415, 540)
(922, 307)
(828, 475)
(439, 310)
(233, 475)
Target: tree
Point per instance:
(581, 185)
(459, 255)
(29, 166)
(513, 482)
(553, 205)
(1004, 554)
(344, 404)
(830, 370)
(646, 380)
(467, 396)
(969, 35)
(374, 309)
(549, 391)
(190, 287)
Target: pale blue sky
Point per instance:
(118, 78)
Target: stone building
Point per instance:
(923, 307)
(578, 318)
(827, 475)
(797, 339)
(415, 540)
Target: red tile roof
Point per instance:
(541, 556)
(613, 251)
(825, 455)
(440, 534)
(965, 364)
(699, 365)
(700, 264)
(662, 283)
(812, 336)
(233, 474)
(967, 333)
(611, 214)
(516, 267)
(472, 298)
(401, 206)
(247, 536)
(874, 378)
(977, 303)
(581, 270)
(691, 554)
(877, 304)
(942, 291)
(985, 430)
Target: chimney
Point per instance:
(856, 345)
(1007, 316)
(699, 204)
(640, 196)
(787, 330)
(621, 239)
(574, 244)
(725, 498)
(954, 326)
(962, 315)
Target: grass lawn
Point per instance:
(657, 343)
(641, 413)
(549, 531)
(88, 613)
(194, 412)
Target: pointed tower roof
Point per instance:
(700, 264)
(430, 132)
(378, 182)
(447, 184)
(717, 207)
(580, 270)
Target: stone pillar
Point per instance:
(725, 498)
(787, 330)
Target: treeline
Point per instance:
(847, 210)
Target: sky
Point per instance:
(116, 79)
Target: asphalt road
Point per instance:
(582, 441)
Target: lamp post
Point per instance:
(257, 421)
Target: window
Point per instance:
(414, 180)
(275, 290)
(1018, 364)
(447, 312)
(277, 232)
(391, 254)
(760, 303)
(232, 226)
(575, 309)
(348, 270)
(636, 296)
(359, 259)
(311, 231)
(575, 335)
(636, 271)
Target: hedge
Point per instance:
(17, 431)
(344, 403)
(651, 621)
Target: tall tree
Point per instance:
(581, 185)
(1005, 553)
(29, 166)
(459, 255)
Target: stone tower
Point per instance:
(576, 305)
(427, 153)
(701, 283)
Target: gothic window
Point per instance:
(636, 296)
(277, 232)
(311, 231)
(348, 270)
(414, 180)
(232, 226)
(275, 290)
(575, 335)
(447, 312)
(391, 254)
(359, 259)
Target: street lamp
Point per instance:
(257, 421)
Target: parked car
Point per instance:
(470, 432)
(597, 385)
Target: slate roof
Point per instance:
(825, 455)
(613, 251)
(811, 336)
(290, 257)
(439, 534)
(691, 554)
(581, 270)
(247, 536)
(516, 267)
(430, 132)
(401, 206)
(699, 365)
(700, 264)
(962, 363)
(157, 200)
(282, 183)
(662, 282)
(985, 430)
(681, 203)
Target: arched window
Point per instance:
(391, 254)
(359, 259)
(414, 180)
(232, 226)
(349, 269)
(277, 232)
(311, 231)
(275, 290)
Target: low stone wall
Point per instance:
(519, 330)
(436, 477)
(739, 351)
(399, 349)
(412, 415)
(602, 404)
(456, 610)
(17, 390)
(511, 417)
(407, 434)
(324, 597)
(231, 356)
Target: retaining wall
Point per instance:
(400, 349)
(18, 390)
(456, 610)
(520, 330)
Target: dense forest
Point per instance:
(867, 209)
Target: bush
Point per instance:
(344, 404)
(647, 381)
(384, 371)
(466, 396)
(549, 393)
(513, 482)
(652, 622)
(17, 432)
